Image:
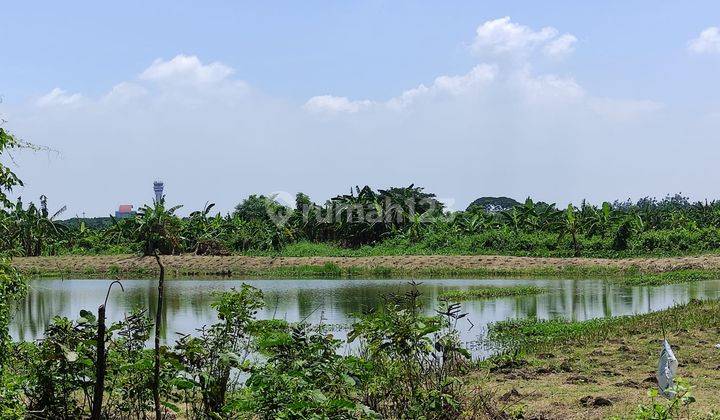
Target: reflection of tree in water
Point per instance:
(526, 306)
(187, 303)
(589, 302)
(357, 300)
(607, 306)
(45, 299)
(337, 305)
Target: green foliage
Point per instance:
(208, 359)
(678, 406)
(130, 367)
(8, 179)
(533, 334)
(158, 229)
(396, 221)
(32, 231)
(57, 374)
(259, 208)
(60, 368)
(414, 359)
(12, 288)
(304, 377)
(493, 204)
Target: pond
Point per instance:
(187, 302)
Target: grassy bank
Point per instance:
(630, 272)
(551, 366)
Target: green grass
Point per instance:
(670, 277)
(619, 355)
(528, 335)
(489, 292)
(631, 276)
(538, 244)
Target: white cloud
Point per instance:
(547, 88)
(442, 86)
(335, 104)
(497, 129)
(186, 69)
(502, 36)
(459, 85)
(560, 46)
(125, 91)
(58, 96)
(707, 42)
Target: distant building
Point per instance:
(124, 210)
(158, 188)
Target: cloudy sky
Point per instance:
(559, 101)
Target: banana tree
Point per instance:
(527, 215)
(34, 230)
(474, 222)
(158, 228)
(202, 233)
(599, 221)
(512, 218)
(569, 224)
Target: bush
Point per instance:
(304, 377)
(414, 360)
(209, 359)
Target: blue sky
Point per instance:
(356, 59)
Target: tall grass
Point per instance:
(529, 335)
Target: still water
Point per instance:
(333, 302)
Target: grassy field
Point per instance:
(559, 364)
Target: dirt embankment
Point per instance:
(406, 263)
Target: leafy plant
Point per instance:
(211, 359)
(413, 358)
(660, 408)
(158, 228)
(304, 377)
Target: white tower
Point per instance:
(158, 188)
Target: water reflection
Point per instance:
(187, 302)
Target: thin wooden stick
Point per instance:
(100, 363)
(99, 366)
(158, 318)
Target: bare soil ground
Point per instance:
(615, 373)
(245, 264)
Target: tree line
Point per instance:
(367, 221)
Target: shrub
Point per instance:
(209, 359)
(414, 359)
